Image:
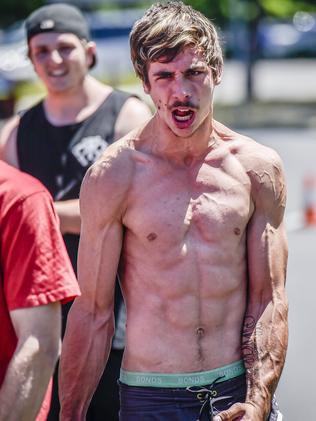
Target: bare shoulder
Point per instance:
(255, 157)
(133, 114)
(262, 164)
(107, 182)
(265, 170)
(137, 108)
(8, 136)
(251, 154)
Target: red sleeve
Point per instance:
(36, 267)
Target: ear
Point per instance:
(146, 87)
(91, 51)
(29, 54)
(218, 78)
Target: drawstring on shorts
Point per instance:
(207, 396)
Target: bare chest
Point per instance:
(168, 206)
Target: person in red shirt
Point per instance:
(36, 276)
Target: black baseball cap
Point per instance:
(58, 17)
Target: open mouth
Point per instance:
(184, 118)
(57, 73)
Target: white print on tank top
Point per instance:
(89, 149)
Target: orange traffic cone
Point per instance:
(310, 199)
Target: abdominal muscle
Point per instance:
(184, 314)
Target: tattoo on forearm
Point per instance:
(249, 346)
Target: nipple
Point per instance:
(237, 231)
(152, 236)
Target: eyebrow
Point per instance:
(198, 66)
(192, 67)
(162, 73)
(38, 47)
(59, 44)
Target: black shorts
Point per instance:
(184, 404)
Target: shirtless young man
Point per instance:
(192, 213)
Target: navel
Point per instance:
(200, 332)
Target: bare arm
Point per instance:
(133, 114)
(265, 333)
(68, 212)
(27, 377)
(90, 325)
(265, 329)
(8, 136)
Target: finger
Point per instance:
(234, 413)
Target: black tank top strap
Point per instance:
(112, 107)
(104, 119)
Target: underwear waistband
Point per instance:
(176, 380)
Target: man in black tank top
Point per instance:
(60, 137)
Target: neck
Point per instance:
(74, 106)
(182, 149)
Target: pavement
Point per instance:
(267, 114)
(284, 94)
(296, 390)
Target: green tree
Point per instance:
(287, 8)
(220, 10)
(214, 9)
(13, 10)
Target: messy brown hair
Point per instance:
(166, 29)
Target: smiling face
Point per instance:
(182, 91)
(60, 60)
